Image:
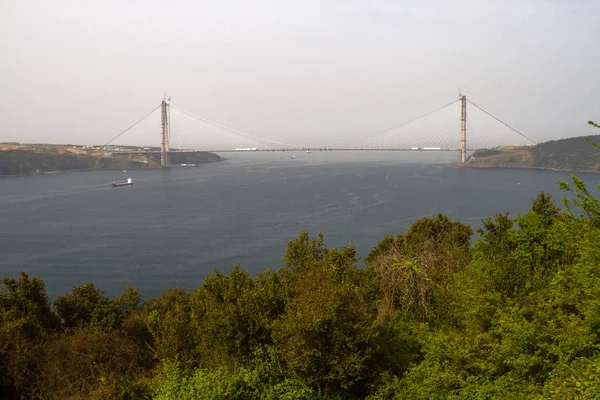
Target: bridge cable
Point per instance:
(410, 138)
(503, 123)
(428, 138)
(190, 137)
(194, 139)
(389, 129)
(185, 138)
(421, 138)
(236, 131)
(130, 127)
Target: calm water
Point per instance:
(175, 226)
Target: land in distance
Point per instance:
(27, 159)
(575, 154)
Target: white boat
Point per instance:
(128, 182)
(308, 151)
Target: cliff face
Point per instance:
(573, 154)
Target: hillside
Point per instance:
(572, 154)
(17, 159)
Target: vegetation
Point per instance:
(21, 162)
(42, 160)
(573, 154)
(516, 315)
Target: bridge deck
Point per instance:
(284, 150)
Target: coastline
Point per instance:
(63, 171)
(587, 171)
(25, 162)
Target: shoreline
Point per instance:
(586, 171)
(455, 165)
(25, 162)
(102, 169)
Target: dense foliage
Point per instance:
(516, 315)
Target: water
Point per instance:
(175, 226)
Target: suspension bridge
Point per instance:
(442, 129)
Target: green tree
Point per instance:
(303, 253)
(26, 321)
(130, 300)
(413, 272)
(324, 337)
(86, 306)
(25, 300)
(169, 322)
(135, 315)
(232, 314)
(544, 206)
(584, 204)
(529, 311)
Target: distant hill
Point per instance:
(17, 159)
(572, 154)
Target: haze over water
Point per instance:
(175, 226)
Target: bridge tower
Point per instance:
(164, 122)
(463, 129)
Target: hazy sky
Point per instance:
(81, 71)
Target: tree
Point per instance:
(584, 205)
(26, 321)
(324, 337)
(303, 253)
(544, 206)
(86, 306)
(528, 306)
(413, 271)
(130, 300)
(514, 261)
(25, 300)
(169, 322)
(232, 315)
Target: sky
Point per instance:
(302, 71)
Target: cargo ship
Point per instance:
(128, 182)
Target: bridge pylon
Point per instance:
(463, 129)
(164, 122)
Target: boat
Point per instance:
(128, 182)
(308, 151)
